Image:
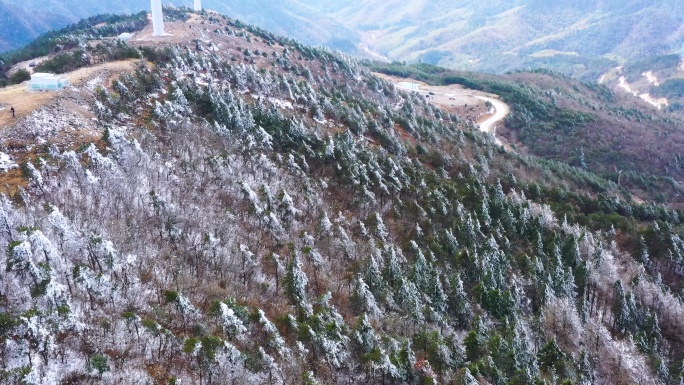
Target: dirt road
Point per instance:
(501, 112)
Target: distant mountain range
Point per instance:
(583, 38)
(497, 36)
(20, 26)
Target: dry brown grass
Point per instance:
(454, 98)
(24, 102)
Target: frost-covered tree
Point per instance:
(296, 281)
(622, 318)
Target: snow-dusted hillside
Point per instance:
(256, 211)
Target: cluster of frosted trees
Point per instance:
(239, 224)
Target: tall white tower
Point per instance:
(198, 5)
(157, 18)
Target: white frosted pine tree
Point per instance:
(621, 315)
(438, 297)
(296, 281)
(459, 306)
(363, 299)
(421, 270)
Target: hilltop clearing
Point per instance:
(64, 119)
(483, 109)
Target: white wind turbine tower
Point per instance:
(157, 18)
(198, 5)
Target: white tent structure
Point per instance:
(125, 36)
(198, 5)
(41, 81)
(157, 18)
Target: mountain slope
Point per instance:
(659, 80)
(499, 36)
(614, 134)
(241, 208)
(20, 26)
(289, 18)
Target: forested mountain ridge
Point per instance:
(580, 38)
(242, 208)
(611, 133)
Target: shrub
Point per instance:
(20, 76)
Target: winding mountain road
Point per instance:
(501, 112)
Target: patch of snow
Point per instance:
(657, 103)
(279, 103)
(49, 122)
(6, 162)
(625, 86)
(651, 78)
(92, 84)
(409, 86)
(91, 178)
(126, 36)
